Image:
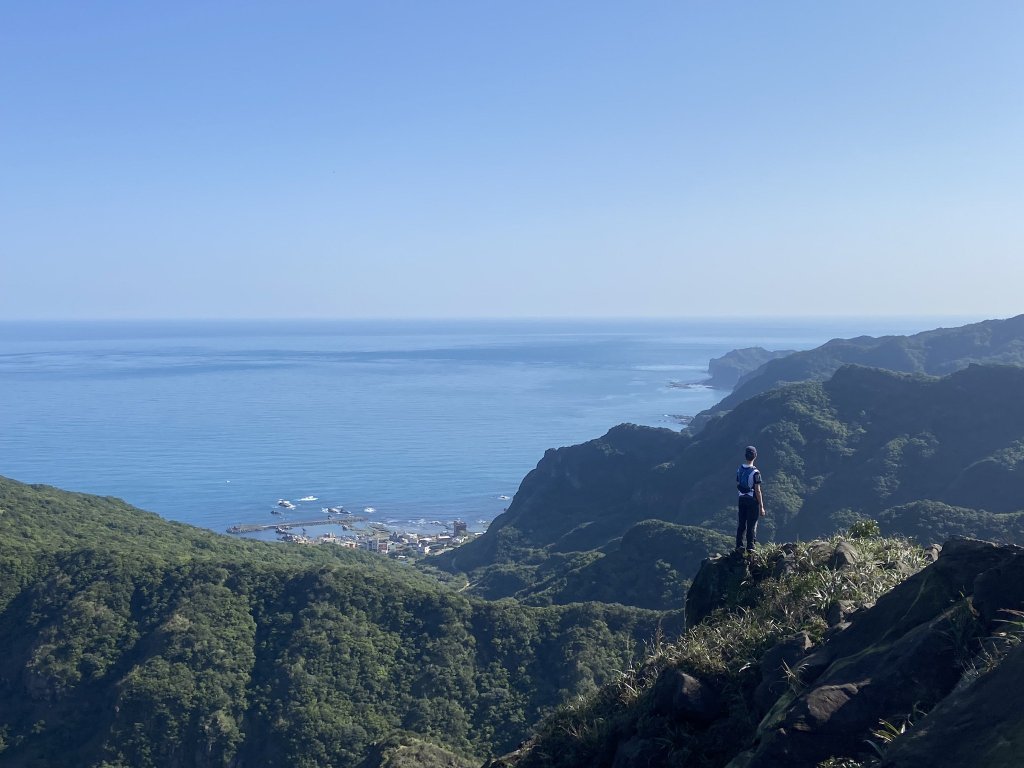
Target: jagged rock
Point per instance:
(684, 697)
(718, 579)
(1000, 588)
(883, 681)
(637, 753)
(838, 611)
(742, 760)
(782, 564)
(899, 654)
(845, 555)
(812, 665)
(777, 664)
(835, 629)
(921, 597)
(983, 725)
(819, 551)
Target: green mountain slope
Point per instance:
(935, 352)
(867, 442)
(131, 641)
(727, 370)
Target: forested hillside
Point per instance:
(866, 442)
(131, 641)
(937, 352)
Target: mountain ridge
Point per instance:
(865, 443)
(936, 352)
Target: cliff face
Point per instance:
(727, 370)
(792, 663)
(578, 498)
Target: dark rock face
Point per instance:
(983, 726)
(719, 578)
(1000, 589)
(844, 556)
(851, 697)
(903, 653)
(684, 697)
(838, 611)
(726, 371)
(776, 666)
(638, 753)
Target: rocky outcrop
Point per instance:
(777, 669)
(982, 726)
(684, 697)
(939, 658)
(716, 583)
(906, 654)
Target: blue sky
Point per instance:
(507, 159)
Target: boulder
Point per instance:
(835, 629)
(845, 555)
(820, 552)
(812, 665)
(684, 697)
(777, 665)
(718, 580)
(1000, 589)
(902, 653)
(783, 563)
(882, 681)
(638, 753)
(922, 597)
(981, 725)
(838, 611)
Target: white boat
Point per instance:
(285, 504)
(308, 498)
(503, 497)
(369, 510)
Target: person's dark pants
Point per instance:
(749, 512)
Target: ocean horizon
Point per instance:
(212, 422)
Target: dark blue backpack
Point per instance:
(744, 475)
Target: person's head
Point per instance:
(751, 453)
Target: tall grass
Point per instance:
(725, 651)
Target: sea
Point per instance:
(410, 423)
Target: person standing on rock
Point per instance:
(751, 502)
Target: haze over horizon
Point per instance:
(458, 160)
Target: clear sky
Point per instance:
(416, 158)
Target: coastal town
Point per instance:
(373, 537)
(378, 539)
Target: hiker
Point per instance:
(751, 502)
